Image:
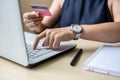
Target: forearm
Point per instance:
(105, 32)
(55, 10)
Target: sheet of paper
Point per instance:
(106, 58)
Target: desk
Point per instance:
(56, 69)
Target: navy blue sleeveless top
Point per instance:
(85, 12)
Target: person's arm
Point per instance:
(55, 10)
(37, 23)
(105, 32)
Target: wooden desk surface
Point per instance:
(56, 69)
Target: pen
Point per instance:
(76, 58)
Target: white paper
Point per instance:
(106, 60)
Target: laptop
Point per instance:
(16, 44)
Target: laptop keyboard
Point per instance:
(38, 52)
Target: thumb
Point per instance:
(33, 14)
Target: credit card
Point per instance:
(41, 10)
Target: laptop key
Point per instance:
(38, 52)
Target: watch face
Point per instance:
(77, 28)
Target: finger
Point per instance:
(36, 23)
(30, 22)
(46, 42)
(33, 14)
(37, 19)
(30, 15)
(33, 19)
(30, 25)
(47, 38)
(40, 36)
(33, 24)
(27, 20)
(51, 40)
(57, 41)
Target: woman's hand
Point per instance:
(53, 37)
(33, 21)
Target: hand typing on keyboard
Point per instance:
(40, 51)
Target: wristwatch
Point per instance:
(77, 30)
